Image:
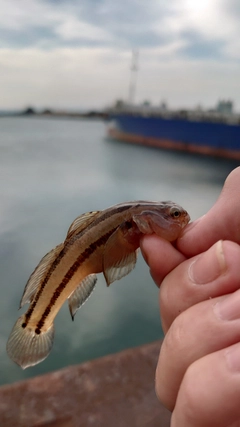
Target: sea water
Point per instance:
(51, 171)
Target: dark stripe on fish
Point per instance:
(42, 286)
(103, 217)
(81, 258)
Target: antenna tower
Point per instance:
(133, 77)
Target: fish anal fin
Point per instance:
(80, 295)
(25, 347)
(38, 274)
(80, 223)
(120, 255)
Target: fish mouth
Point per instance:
(187, 219)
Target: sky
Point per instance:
(76, 54)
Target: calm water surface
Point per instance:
(52, 171)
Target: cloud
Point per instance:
(71, 53)
(73, 29)
(203, 30)
(63, 23)
(197, 46)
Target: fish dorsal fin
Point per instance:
(81, 293)
(80, 223)
(120, 255)
(38, 274)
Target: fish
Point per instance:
(105, 242)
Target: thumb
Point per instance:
(222, 222)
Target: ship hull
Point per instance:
(208, 138)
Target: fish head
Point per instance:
(166, 219)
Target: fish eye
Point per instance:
(175, 213)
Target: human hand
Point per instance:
(198, 373)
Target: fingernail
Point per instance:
(228, 308)
(233, 357)
(208, 266)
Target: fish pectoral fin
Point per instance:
(144, 221)
(121, 268)
(149, 222)
(25, 347)
(80, 223)
(38, 274)
(81, 293)
(120, 252)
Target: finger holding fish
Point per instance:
(161, 256)
(209, 275)
(222, 221)
(200, 317)
(101, 241)
(183, 281)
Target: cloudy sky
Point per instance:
(77, 53)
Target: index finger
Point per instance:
(222, 222)
(160, 255)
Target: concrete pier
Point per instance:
(114, 391)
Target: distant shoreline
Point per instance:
(55, 114)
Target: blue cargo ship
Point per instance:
(209, 133)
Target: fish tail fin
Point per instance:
(26, 347)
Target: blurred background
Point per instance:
(75, 55)
(60, 61)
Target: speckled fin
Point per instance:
(25, 347)
(120, 254)
(80, 223)
(81, 293)
(38, 274)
